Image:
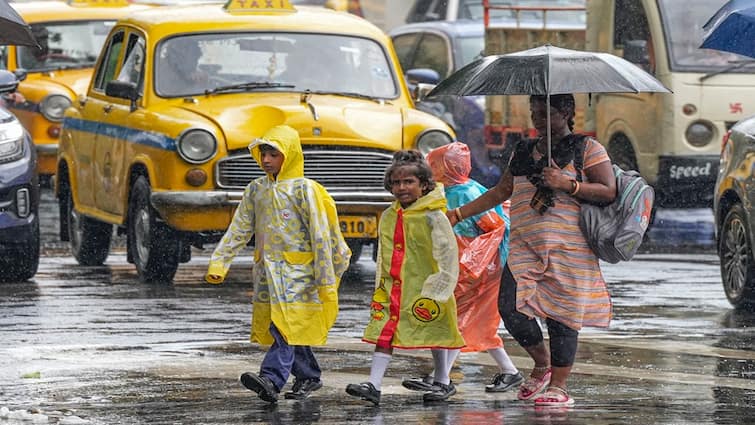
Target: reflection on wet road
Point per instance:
(94, 343)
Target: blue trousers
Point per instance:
(282, 360)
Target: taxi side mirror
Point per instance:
(123, 90)
(8, 82)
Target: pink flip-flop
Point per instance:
(533, 386)
(554, 397)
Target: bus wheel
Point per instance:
(622, 154)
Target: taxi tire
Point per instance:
(94, 240)
(163, 248)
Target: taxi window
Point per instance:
(106, 72)
(189, 65)
(64, 45)
(404, 45)
(432, 53)
(133, 65)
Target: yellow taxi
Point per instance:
(158, 144)
(70, 36)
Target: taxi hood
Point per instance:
(74, 80)
(320, 120)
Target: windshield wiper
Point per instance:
(734, 66)
(248, 86)
(349, 94)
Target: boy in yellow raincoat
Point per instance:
(299, 258)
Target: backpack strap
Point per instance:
(579, 155)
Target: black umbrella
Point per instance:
(13, 29)
(548, 70)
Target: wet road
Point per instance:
(93, 345)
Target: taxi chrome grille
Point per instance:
(335, 169)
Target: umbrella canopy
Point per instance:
(548, 70)
(732, 28)
(13, 29)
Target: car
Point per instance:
(734, 214)
(70, 35)
(157, 147)
(19, 194)
(444, 47)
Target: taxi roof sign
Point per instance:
(99, 3)
(246, 6)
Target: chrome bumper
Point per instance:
(49, 149)
(171, 201)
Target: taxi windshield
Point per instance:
(64, 45)
(196, 64)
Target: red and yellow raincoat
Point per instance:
(418, 264)
(299, 254)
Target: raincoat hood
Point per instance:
(451, 163)
(435, 200)
(286, 140)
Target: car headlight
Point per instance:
(11, 141)
(432, 139)
(699, 133)
(197, 146)
(54, 106)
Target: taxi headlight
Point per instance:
(432, 139)
(197, 146)
(699, 133)
(54, 106)
(11, 141)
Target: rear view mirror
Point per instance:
(123, 90)
(422, 75)
(8, 82)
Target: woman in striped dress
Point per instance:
(551, 273)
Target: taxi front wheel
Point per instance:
(152, 244)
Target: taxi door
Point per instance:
(119, 121)
(92, 125)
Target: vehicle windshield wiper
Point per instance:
(734, 66)
(248, 86)
(349, 94)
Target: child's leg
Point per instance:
(441, 365)
(276, 366)
(305, 364)
(451, 356)
(503, 360)
(380, 360)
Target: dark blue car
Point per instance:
(431, 51)
(19, 195)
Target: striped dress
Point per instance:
(557, 274)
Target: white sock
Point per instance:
(379, 365)
(440, 363)
(451, 356)
(503, 360)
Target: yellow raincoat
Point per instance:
(418, 266)
(299, 254)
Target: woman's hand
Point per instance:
(554, 178)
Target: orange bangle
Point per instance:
(575, 187)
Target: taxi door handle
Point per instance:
(107, 108)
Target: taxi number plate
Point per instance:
(358, 226)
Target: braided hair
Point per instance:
(411, 158)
